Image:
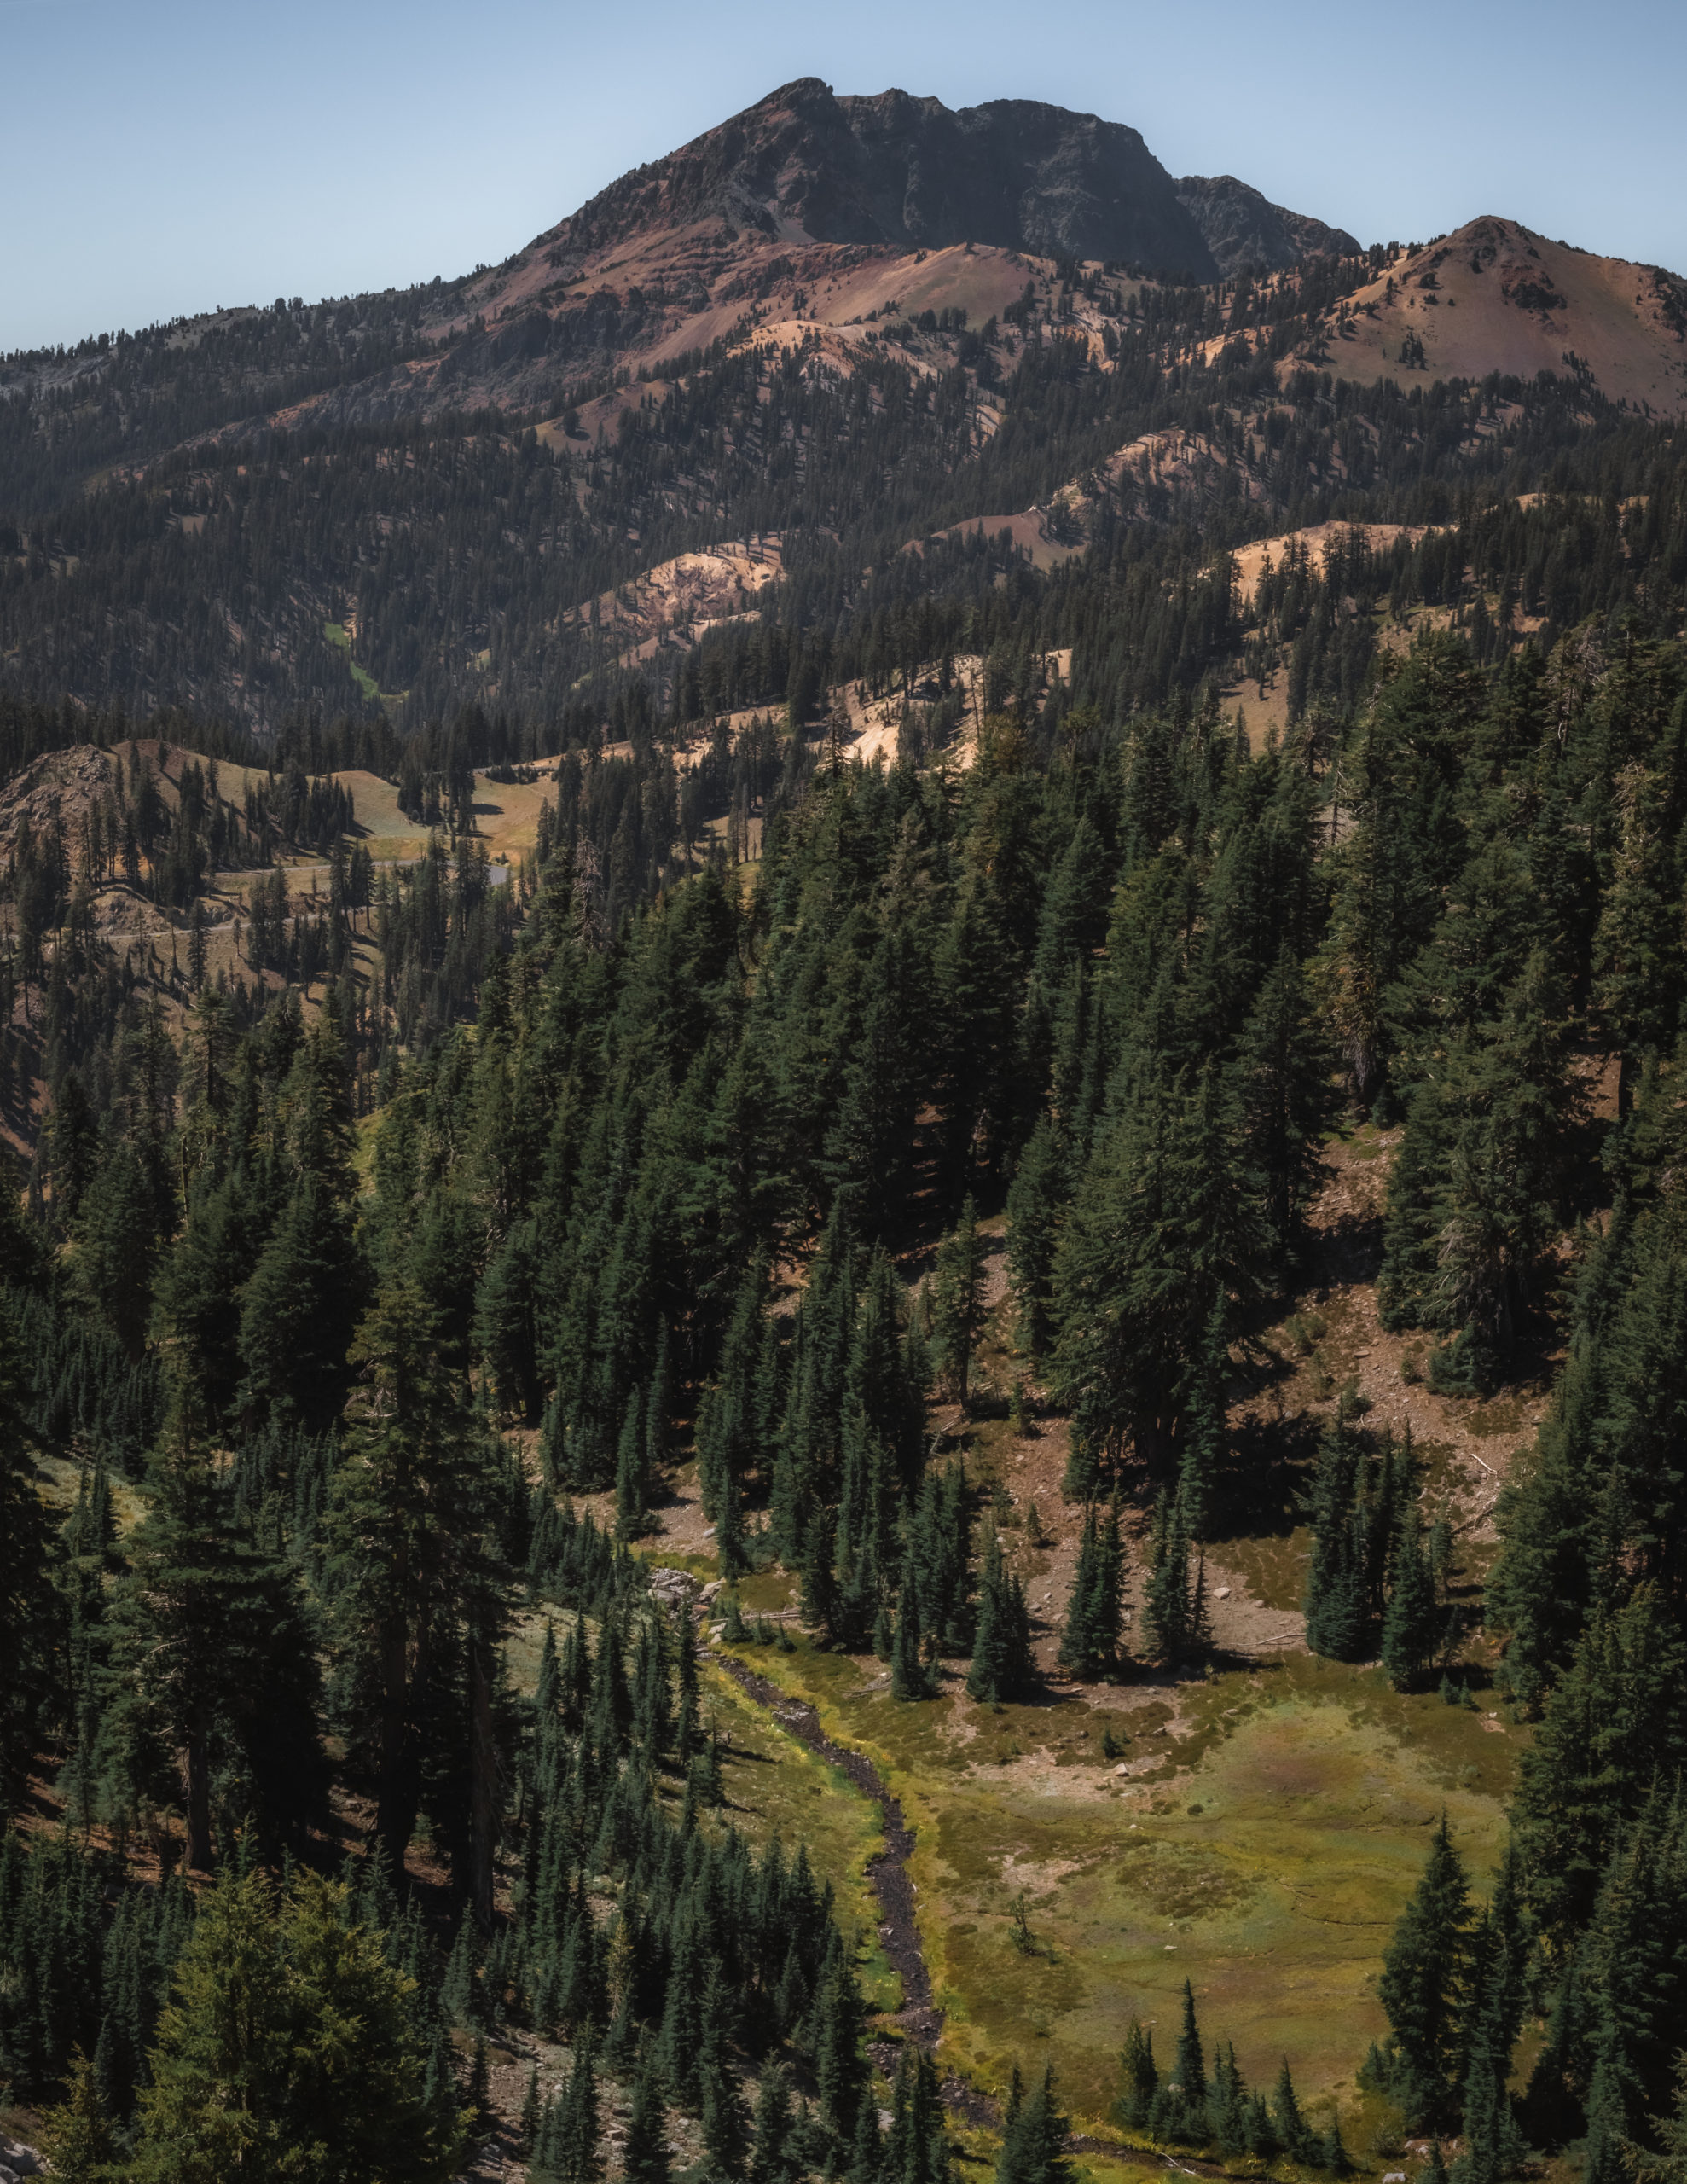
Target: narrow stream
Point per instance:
(898, 1930)
(888, 1871)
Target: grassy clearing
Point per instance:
(335, 632)
(1268, 1831)
(1274, 1570)
(59, 1480)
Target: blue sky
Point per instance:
(161, 156)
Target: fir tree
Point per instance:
(643, 2153)
(1166, 1220)
(1189, 2067)
(1169, 1603)
(1001, 1655)
(289, 2030)
(1338, 1583)
(211, 1655)
(839, 2071)
(1089, 1646)
(1616, 1723)
(770, 2159)
(1412, 1625)
(958, 1304)
(1034, 2139)
(721, 2105)
(80, 2138)
(1035, 1203)
(1422, 1984)
(29, 1606)
(632, 1478)
(407, 1535)
(1141, 2079)
(1292, 2132)
(910, 1677)
(1669, 2164)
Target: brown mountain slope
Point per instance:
(1495, 296)
(809, 210)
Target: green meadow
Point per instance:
(1256, 1833)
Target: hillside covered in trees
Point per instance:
(768, 1374)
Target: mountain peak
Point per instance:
(892, 169)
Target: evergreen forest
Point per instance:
(730, 1456)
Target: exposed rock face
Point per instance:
(804, 165)
(1245, 231)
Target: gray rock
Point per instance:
(1245, 231)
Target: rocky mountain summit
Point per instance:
(803, 165)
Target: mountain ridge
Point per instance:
(423, 498)
(803, 164)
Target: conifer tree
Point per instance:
(118, 1242)
(1001, 1652)
(941, 1544)
(1168, 1220)
(289, 2031)
(910, 1677)
(916, 2149)
(1285, 1058)
(632, 1486)
(29, 1606)
(770, 2161)
(1089, 1646)
(1607, 2120)
(839, 2071)
(1034, 2139)
(1189, 2068)
(79, 2139)
(958, 1304)
(1638, 959)
(210, 1656)
(1227, 2103)
(1338, 1589)
(1172, 1607)
(1422, 1984)
(728, 1440)
(1669, 2164)
(568, 2150)
(1412, 1625)
(643, 2153)
(1206, 1432)
(406, 1533)
(1034, 1202)
(1293, 2134)
(1141, 2078)
(1617, 1723)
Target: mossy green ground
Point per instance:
(1273, 1824)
